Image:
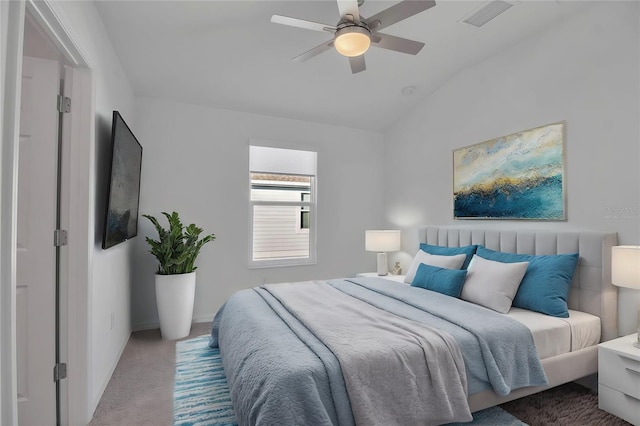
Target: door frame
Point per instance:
(77, 210)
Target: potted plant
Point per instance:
(176, 250)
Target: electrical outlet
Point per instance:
(113, 320)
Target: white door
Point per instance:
(36, 255)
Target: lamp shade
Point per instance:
(625, 266)
(382, 241)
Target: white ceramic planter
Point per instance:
(174, 296)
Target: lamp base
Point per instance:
(383, 267)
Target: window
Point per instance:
(282, 207)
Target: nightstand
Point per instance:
(619, 378)
(398, 278)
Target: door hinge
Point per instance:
(59, 372)
(60, 237)
(64, 104)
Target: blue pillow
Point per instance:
(545, 285)
(451, 251)
(445, 281)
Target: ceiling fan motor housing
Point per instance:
(351, 39)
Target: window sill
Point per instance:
(280, 263)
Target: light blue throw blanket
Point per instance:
(395, 370)
(280, 373)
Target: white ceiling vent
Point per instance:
(487, 13)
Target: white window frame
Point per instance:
(313, 224)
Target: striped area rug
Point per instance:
(202, 395)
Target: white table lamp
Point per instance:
(625, 271)
(382, 242)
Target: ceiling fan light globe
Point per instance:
(352, 41)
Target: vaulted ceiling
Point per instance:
(227, 54)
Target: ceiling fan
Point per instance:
(353, 34)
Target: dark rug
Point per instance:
(569, 404)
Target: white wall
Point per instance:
(196, 161)
(584, 71)
(109, 289)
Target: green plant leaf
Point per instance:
(178, 246)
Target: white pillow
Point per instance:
(492, 284)
(448, 262)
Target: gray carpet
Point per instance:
(141, 391)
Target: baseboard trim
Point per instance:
(145, 326)
(156, 325)
(103, 386)
(203, 318)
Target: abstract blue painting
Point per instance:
(519, 176)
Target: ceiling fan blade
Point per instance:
(398, 44)
(357, 64)
(315, 51)
(349, 7)
(301, 23)
(398, 12)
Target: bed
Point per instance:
(285, 365)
